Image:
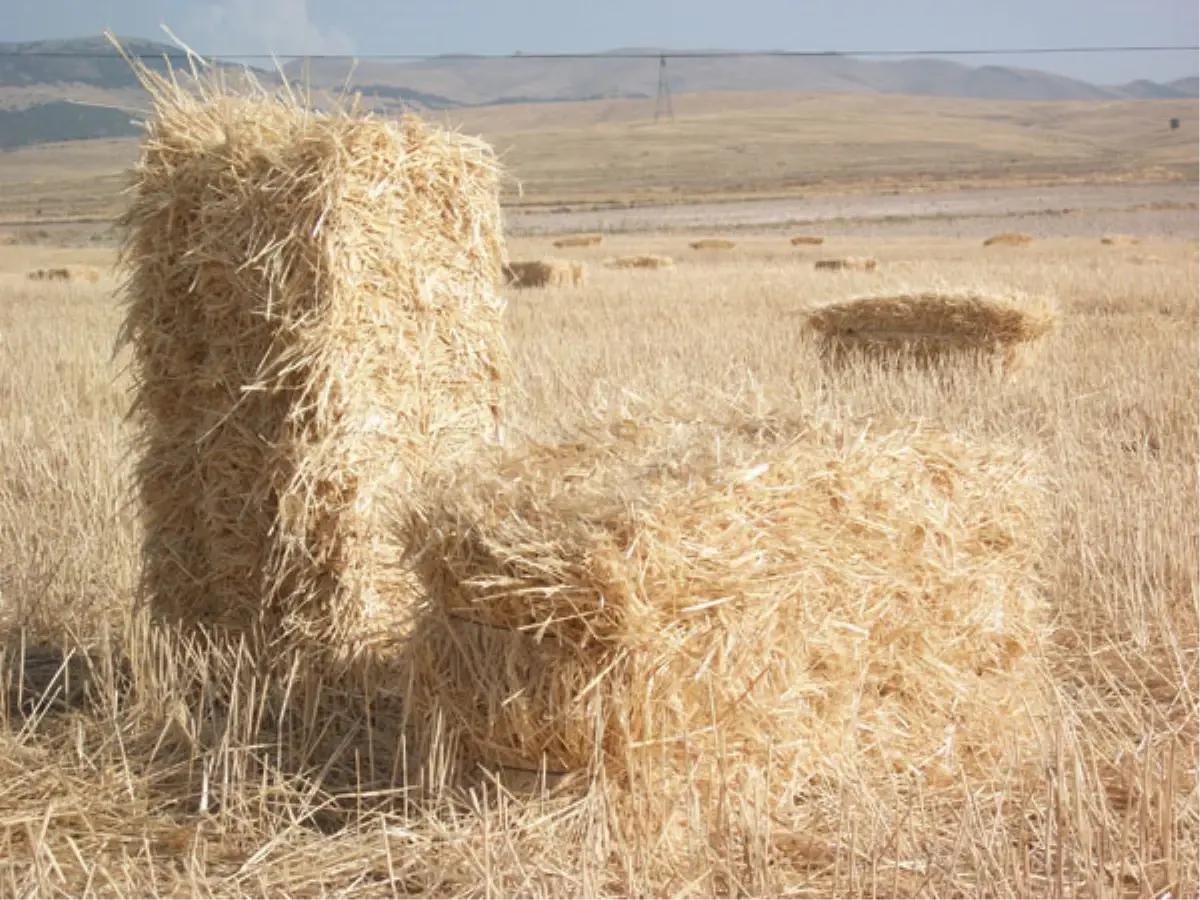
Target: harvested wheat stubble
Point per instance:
(1008, 239)
(642, 261)
(847, 264)
(1119, 240)
(928, 325)
(314, 324)
(579, 240)
(713, 244)
(664, 605)
(545, 273)
(807, 240)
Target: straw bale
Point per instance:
(545, 273)
(927, 325)
(807, 240)
(1008, 239)
(314, 325)
(641, 261)
(847, 264)
(65, 273)
(1119, 240)
(56, 274)
(713, 244)
(652, 604)
(579, 240)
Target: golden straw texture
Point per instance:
(925, 325)
(675, 597)
(314, 324)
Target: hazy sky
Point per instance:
(231, 27)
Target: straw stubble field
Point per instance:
(151, 792)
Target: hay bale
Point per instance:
(56, 274)
(1008, 239)
(641, 261)
(314, 324)
(1119, 240)
(846, 264)
(713, 244)
(653, 604)
(928, 325)
(545, 273)
(802, 240)
(65, 273)
(579, 240)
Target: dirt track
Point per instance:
(1064, 211)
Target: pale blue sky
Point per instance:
(502, 26)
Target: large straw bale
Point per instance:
(545, 273)
(846, 264)
(808, 240)
(1008, 239)
(641, 261)
(713, 244)
(930, 324)
(633, 604)
(314, 324)
(579, 240)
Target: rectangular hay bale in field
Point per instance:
(639, 604)
(545, 273)
(314, 323)
(925, 326)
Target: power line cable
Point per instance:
(180, 56)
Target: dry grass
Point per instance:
(807, 240)
(545, 273)
(1008, 239)
(846, 264)
(713, 244)
(195, 777)
(311, 327)
(1119, 240)
(579, 240)
(640, 261)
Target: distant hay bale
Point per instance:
(545, 273)
(807, 240)
(56, 274)
(1119, 240)
(649, 605)
(846, 264)
(713, 244)
(1008, 239)
(579, 240)
(928, 325)
(314, 325)
(65, 273)
(642, 261)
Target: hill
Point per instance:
(635, 73)
(62, 121)
(730, 145)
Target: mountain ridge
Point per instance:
(43, 83)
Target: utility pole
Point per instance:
(662, 104)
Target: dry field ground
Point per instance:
(730, 146)
(135, 797)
